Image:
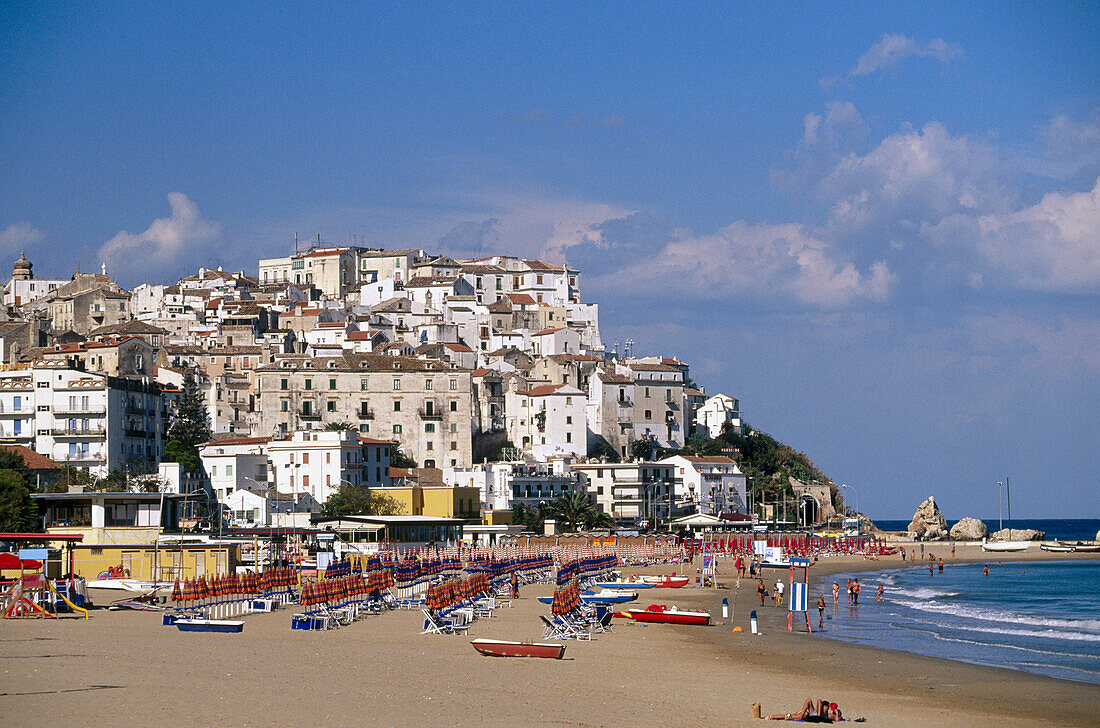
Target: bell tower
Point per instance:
(21, 271)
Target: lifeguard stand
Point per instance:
(800, 593)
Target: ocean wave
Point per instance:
(923, 593)
(1089, 626)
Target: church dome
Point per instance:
(22, 267)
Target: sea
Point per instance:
(1065, 529)
(1035, 616)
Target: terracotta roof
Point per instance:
(639, 367)
(482, 371)
(361, 335)
(540, 265)
(549, 331)
(521, 298)
(478, 268)
(501, 306)
(420, 281)
(387, 253)
(31, 459)
(238, 441)
(543, 390)
(458, 347)
(324, 252)
(107, 343)
(129, 327)
(373, 441)
(611, 378)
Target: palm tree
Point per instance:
(575, 509)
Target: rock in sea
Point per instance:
(928, 523)
(968, 529)
(1018, 534)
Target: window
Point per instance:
(307, 408)
(569, 419)
(228, 470)
(428, 384)
(284, 384)
(569, 437)
(397, 405)
(396, 385)
(331, 405)
(453, 385)
(332, 383)
(428, 445)
(328, 458)
(309, 384)
(284, 405)
(649, 414)
(454, 427)
(214, 471)
(569, 400)
(397, 429)
(305, 458)
(363, 384)
(365, 427)
(454, 405)
(454, 445)
(647, 391)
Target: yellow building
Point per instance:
(135, 533)
(436, 501)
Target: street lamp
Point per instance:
(857, 496)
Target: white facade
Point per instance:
(547, 421)
(630, 492)
(713, 483)
(317, 462)
(19, 292)
(716, 412)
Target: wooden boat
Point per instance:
(209, 625)
(609, 596)
(1086, 548)
(1056, 547)
(624, 585)
(503, 648)
(669, 581)
(660, 614)
(1001, 546)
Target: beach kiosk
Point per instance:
(800, 596)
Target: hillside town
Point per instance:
(460, 389)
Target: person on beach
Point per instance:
(881, 592)
(855, 593)
(952, 550)
(903, 554)
(515, 585)
(849, 592)
(985, 570)
(836, 594)
(821, 612)
(931, 569)
(941, 565)
(922, 551)
(761, 590)
(820, 712)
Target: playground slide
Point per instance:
(65, 599)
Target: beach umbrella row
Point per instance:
(228, 585)
(448, 593)
(566, 598)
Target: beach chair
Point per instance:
(435, 625)
(484, 607)
(553, 630)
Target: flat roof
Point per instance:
(108, 494)
(386, 520)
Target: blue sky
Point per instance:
(877, 225)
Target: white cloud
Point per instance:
(893, 49)
(165, 240)
(18, 236)
(1053, 245)
(743, 260)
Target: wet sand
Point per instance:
(124, 668)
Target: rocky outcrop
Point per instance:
(1018, 534)
(968, 529)
(928, 523)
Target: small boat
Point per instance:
(624, 585)
(669, 581)
(1056, 547)
(774, 564)
(209, 625)
(1086, 548)
(609, 596)
(660, 614)
(1001, 546)
(503, 648)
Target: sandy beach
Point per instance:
(124, 667)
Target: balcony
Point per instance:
(303, 415)
(22, 412)
(139, 411)
(134, 432)
(366, 413)
(624, 403)
(80, 458)
(66, 409)
(70, 431)
(432, 414)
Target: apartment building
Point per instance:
(318, 462)
(83, 419)
(718, 412)
(710, 484)
(425, 405)
(548, 420)
(659, 412)
(633, 493)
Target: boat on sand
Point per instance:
(504, 648)
(209, 625)
(1001, 546)
(660, 614)
(668, 581)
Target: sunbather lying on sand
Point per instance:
(821, 712)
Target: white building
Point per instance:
(504, 484)
(83, 419)
(631, 492)
(547, 420)
(712, 484)
(236, 463)
(718, 411)
(317, 462)
(24, 287)
(255, 508)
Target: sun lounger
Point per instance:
(435, 625)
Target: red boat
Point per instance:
(671, 581)
(661, 614)
(501, 648)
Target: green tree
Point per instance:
(526, 516)
(191, 425)
(641, 449)
(176, 452)
(598, 520)
(338, 426)
(399, 459)
(358, 500)
(18, 512)
(572, 510)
